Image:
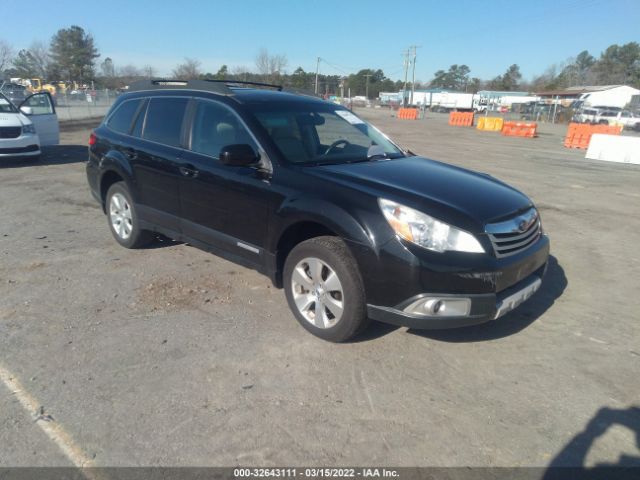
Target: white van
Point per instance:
(27, 127)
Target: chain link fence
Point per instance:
(79, 105)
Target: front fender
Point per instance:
(350, 226)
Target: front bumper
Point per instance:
(29, 151)
(484, 307)
(398, 274)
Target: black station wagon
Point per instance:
(352, 226)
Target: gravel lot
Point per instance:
(172, 356)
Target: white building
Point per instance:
(593, 96)
(608, 95)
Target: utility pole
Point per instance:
(406, 70)
(413, 74)
(317, 70)
(366, 88)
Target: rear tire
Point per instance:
(324, 289)
(123, 218)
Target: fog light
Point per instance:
(440, 307)
(434, 306)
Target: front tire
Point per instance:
(123, 218)
(324, 289)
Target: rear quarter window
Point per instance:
(164, 120)
(120, 120)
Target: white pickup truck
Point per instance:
(625, 118)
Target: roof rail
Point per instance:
(241, 82)
(208, 85)
(177, 84)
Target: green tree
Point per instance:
(509, 81)
(456, 78)
(619, 64)
(511, 78)
(24, 65)
(358, 82)
(107, 68)
(475, 84)
(299, 78)
(223, 73)
(73, 54)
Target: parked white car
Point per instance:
(25, 128)
(586, 115)
(625, 118)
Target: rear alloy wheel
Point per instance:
(324, 289)
(123, 220)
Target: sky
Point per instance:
(488, 36)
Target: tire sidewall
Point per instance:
(342, 263)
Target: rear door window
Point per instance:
(121, 119)
(164, 120)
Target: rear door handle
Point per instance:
(189, 171)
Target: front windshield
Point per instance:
(321, 134)
(6, 106)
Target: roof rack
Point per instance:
(240, 82)
(208, 85)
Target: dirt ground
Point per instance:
(172, 356)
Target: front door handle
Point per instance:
(189, 171)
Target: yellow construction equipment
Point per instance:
(35, 85)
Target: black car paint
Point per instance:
(243, 213)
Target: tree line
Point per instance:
(71, 55)
(616, 65)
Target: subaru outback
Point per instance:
(349, 224)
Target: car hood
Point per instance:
(467, 199)
(13, 120)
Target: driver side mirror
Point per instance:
(239, 155)
(26, 110)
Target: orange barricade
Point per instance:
(461, 119)
(408, 113)
(518, 129)
(579, 134)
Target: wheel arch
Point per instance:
(321, 219)
(114, 170)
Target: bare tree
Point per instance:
(149, 71)
(108, 70)
(6, 55)
(240, 72)
(41, 58)
(270, 66)
(128, 74)
(188, 70)
(129, 71)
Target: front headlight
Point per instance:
(29, 128)
(426, 231)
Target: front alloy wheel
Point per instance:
(317, 292)
(324, 289)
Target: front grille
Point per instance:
(10, 132)
(516, 234)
